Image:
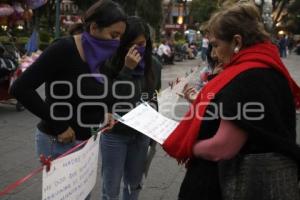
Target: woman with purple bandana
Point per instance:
(124, 150)
(77, 95)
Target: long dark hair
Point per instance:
(136, 27)
(104, 13)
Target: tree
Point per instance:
(84, 5)
(201, 10)
(151, 12)
(130, 6)
(293, 18)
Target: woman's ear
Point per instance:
(93, 28)
(238, 41)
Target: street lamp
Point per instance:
(180, 20)
(182, 10)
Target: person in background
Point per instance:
(171, 49)
(297, 48)
(161, 49)
(194, 48)
(155, 49)
(124, 150)
(164, 52)
(204, 48)
(282, 46)
(187, 50)
(291, 43)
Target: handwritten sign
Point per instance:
(149, 122)
(74, 176)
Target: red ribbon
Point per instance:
(45, 162)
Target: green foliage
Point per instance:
(45, 36)
(129, 6)
(4, 39)
(294, 7)
(151, 11)
(179, 42)
(84, 4)
(201, 10)
(43, 45)
(293, 18)
(179, 36)
(22, 40)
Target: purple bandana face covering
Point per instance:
(139, 70)
(96, 51)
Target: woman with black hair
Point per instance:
(124, 150)
(70, 70)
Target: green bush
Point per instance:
(45, 36)
(4, 38)
(180, 42)
(43, 45)
(178, 36)
(23, 39)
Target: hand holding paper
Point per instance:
(189, 93)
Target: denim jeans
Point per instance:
(49, 146)
(123, 155)
(204, 54)
(283, 53)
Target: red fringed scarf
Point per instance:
(264, 55)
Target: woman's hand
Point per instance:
(189, 93)
(67, 136)
(132, 58)
(218, 68)
(109, 121)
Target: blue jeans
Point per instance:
(123, 155)
(283, 53)
(49, 146)
(204, 53)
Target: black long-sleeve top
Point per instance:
(274, 132)
(122, 78)
(77, 101)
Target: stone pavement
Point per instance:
(293, 65)
(17, 154)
